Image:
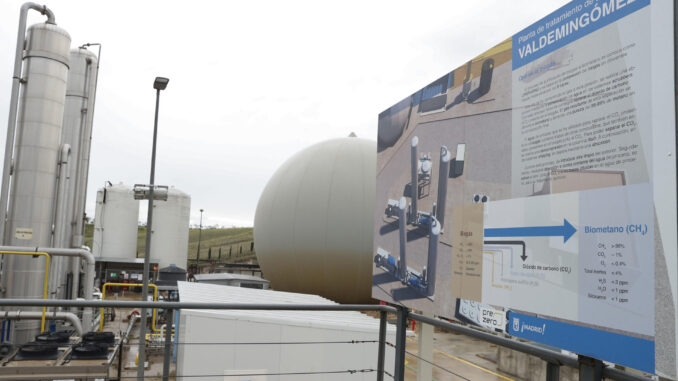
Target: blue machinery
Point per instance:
(424, 281)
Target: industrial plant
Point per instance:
(509, 204)
(44, 256)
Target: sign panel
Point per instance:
(531, 179)
(23, 233)
(633, 351)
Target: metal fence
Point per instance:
(589, 369)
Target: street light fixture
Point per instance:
(159, 84)
(199, 238)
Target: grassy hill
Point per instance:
(236, 244)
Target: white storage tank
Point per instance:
(115, 222)
(313, 224)
(171, 218)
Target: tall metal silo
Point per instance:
(116, 218)
(31, 206)
(171, 218)
(76, 132)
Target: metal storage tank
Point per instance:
(116, 218)
(171, 218)
(76, 132)
(313, 224)
(36, 151)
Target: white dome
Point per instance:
(313, 224)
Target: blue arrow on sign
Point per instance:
(566, 230)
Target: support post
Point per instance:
(402, 226)
(147, 255)
(552, 371)
(443, 174)
(414, 187)
(401, 341)
(425, 338)
(166, 358)
(432, 261)
(121, 350)
(590, 369)
(382, 346)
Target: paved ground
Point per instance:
(120, 324)
(457, 357)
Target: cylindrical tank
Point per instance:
(313, 224)
(76, 132)
(171, 218)
(116, 218)
(37, 148)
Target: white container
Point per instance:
(274, 327)
(171, 218)
(115, 222)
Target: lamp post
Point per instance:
(159, 84)
(199, 238)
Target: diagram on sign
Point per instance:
(589, 267)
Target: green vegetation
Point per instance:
(236, 241)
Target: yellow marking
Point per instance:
(467, 363)
(474, 365)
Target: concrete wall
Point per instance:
(529, 367)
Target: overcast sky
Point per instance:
(253, 82)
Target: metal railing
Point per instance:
(589, 369)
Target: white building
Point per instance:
(331, 330)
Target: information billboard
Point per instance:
(540, 177)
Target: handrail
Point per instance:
(193, 305)
(550, 356)
(45, 281)
(113, 284)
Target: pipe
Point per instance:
(62, 190)
(45, 281)
(132, 321)
(402, 262)
(432, 257)
(168, 345)
(193, 305)
(13, 106)
(444, 171)
(414, 188)
(35, 315)
(60, 220)
(75, 270)
(88, 287)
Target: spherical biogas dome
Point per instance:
(313, 225)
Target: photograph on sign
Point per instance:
(526, 180)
